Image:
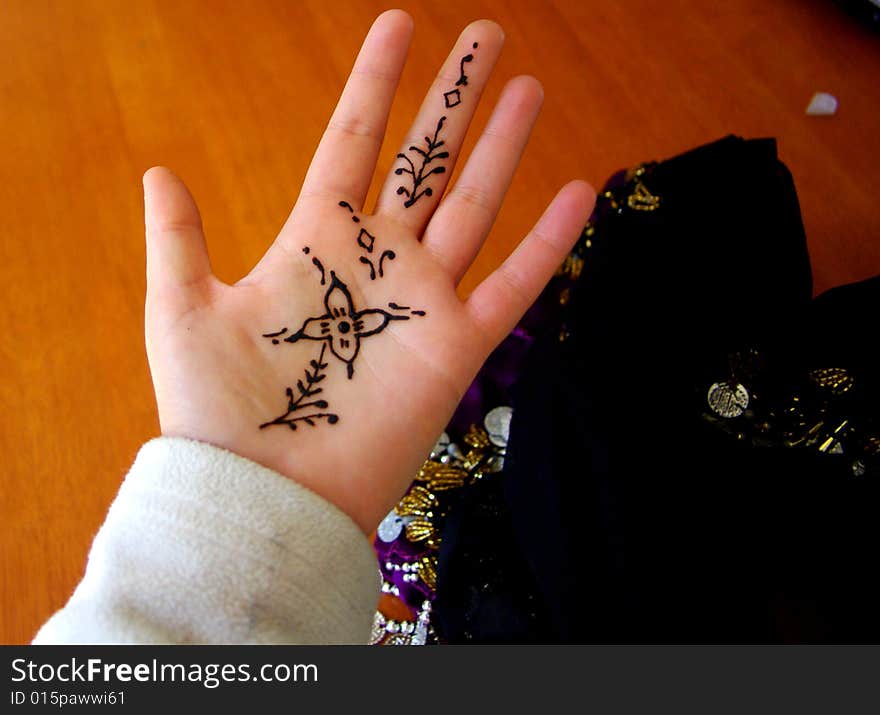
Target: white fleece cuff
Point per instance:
(204, 546)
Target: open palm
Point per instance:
(339, 359)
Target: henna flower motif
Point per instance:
(342, 326)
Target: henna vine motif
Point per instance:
(305, 390)
(451, 98)
(418, 175)
(367, 242)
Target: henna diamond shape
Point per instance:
(452, 97)
(366, 239)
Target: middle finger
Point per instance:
(423, 166)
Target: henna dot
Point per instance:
(275, 341)
(344, 326)
(332, 419)
(476, 45)
(306, 250)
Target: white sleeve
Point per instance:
(204, 546)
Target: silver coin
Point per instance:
(497, 423)
(392, 526)
(440, 447)
(728, 399)
(453, 451)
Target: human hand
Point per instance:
(340, 358)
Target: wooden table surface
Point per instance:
(234, 95)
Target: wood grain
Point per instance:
(234, 97)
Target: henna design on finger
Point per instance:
(463, 80)
(423, 172)
(451, 98)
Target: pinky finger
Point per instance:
(500, 300)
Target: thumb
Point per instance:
(177, 256)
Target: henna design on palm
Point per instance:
(367, 242)
(341, 329)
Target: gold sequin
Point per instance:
(564, 296)
(835, 380)
(612, 202)
(635, 172)
(418, 502)
(572, 266)
(441, 477)
(428, 571)
(422, 530)
(477, 438)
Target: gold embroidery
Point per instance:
(428, 571)
(572, 266)
(835, 380)
(423, 530)
(641, 199)
(476, 438)
(418, 502)
(564, 296)
(441, 476)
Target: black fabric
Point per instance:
(623, 514)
